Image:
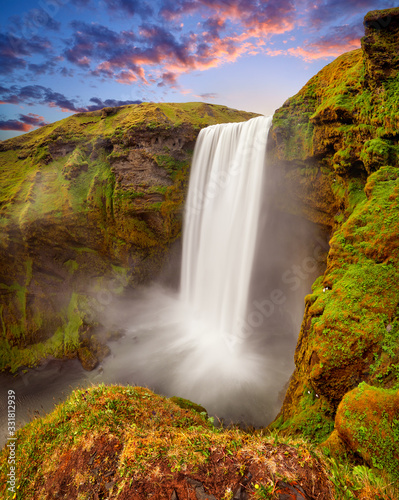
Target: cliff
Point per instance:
(89, 206)
(335, 144)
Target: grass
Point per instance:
(139, 441)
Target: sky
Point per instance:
(59, 57)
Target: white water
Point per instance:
(192, 343)
(222, 214)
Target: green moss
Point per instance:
(375, 154)
(71, 265)
(170, 164)
(63, 343)
(186, 404)
(313, 418)
(367, 419)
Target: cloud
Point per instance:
(322, 11)
(156, 54)
(99, 43)
(41, 69)
(169, 38)
(37, 94)
(260, 17)
(100, 104)
(129, 7)
(340, 39)
(15, 125)
(168, 79)
(14, 51)
(24, 123)
(209, 95)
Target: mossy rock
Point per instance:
(377, 153)
(87, 358)
(334, 446)
(186, 404)
(350, 329)
(367, 421)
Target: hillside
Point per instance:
(336, 145)
(89, 206)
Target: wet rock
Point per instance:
(200, 490)
(285, 491)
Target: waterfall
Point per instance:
(225, 339)
(221, 221)
(193, 343)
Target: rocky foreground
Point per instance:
(128, 443)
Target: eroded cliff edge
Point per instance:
(89, 206)
(335, 145)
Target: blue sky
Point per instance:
(58, 57)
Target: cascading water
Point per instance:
(193, 345)
(227, 339)
(221, 221)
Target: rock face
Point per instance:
(89, 206)
(367, 421)
(336, 147)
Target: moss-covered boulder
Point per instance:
(186, 404)
(367, 421)
(89, 206)
(336, 148)
(381, 45)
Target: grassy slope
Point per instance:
(131, 442)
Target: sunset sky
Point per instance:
(58, 57)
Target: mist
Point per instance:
(233, 357)
(226, 337)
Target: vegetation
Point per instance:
(130, 442)
(341, 131)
